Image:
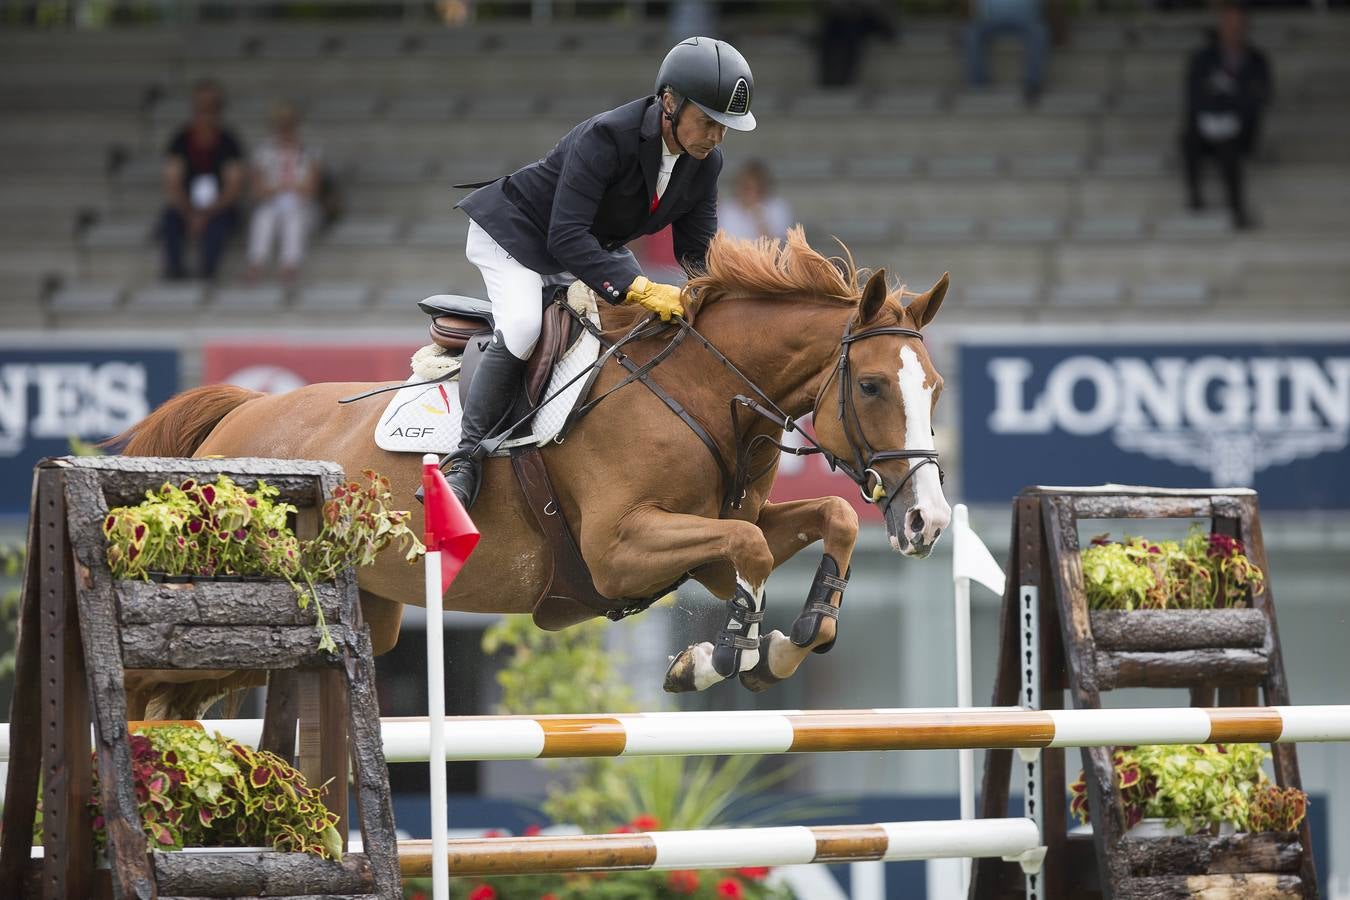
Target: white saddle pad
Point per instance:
(424, 418)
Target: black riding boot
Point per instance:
(492, 394)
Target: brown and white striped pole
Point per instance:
(795, 731)
(1012, 839)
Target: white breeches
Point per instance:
(285, 216)
(516, 293)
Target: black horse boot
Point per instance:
(496, 384)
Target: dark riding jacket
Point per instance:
(577, 208)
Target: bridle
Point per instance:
(865, 457)
(862, 468)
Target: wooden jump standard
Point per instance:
(470, 738)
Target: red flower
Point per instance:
(730, 888)
(549, 896)
(754, 873)
(623, 829)
(683, 881)
(646, 823)
(532, 830)
(483, 892)
(419, 895)
(494, 832)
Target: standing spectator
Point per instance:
(845, 26)
(203, 180)
(285, 180)
(754, 210)
(1228, 85)
(1023, 18)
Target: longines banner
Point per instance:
(1270, 415)
(48, 396)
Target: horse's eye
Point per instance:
(869, 388)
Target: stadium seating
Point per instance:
(1075, 205)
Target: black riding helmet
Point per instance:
(712, 75)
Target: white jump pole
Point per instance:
(440, 804)
(970, 559)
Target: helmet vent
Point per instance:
(739, 104)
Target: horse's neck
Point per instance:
(785, 348)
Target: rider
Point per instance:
(621, 174)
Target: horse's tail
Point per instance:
(183, 423)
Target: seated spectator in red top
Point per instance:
(203, 181)
(1228, 86)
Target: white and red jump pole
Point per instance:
(450, 537)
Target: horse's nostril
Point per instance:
(916, 523)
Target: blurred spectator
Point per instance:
(1228, 84)
(1022, 18)
(845, 26)
(203, 180)
(754, 210)
(285, 181)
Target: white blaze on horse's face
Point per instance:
(921, 509)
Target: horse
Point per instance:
(646, 501)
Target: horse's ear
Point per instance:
(873, 296)
(925, 306)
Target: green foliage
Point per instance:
(1273, 808)
(1199, 786)
(200, 790)
(571, 672)
(1203, 571)
(209, 530)
(12, 559)
(681, 884)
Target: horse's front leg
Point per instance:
(788, 527)
(652, 548)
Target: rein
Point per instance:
(861, 469)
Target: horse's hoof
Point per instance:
(761, 677)
(691, 670)
(680, 673)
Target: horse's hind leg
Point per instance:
(651, 548)
(788, 527)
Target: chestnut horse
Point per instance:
(641, 492)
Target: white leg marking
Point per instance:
(705, 676)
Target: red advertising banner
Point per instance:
(803, 477)
(279, 367)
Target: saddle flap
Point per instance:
(558, 331)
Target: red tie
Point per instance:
(656, 201)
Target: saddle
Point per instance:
(464, 325)
(456, 321)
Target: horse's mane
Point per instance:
(766, 267)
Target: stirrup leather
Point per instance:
(818, 606)
(734, 636)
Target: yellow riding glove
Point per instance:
(662, 299)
